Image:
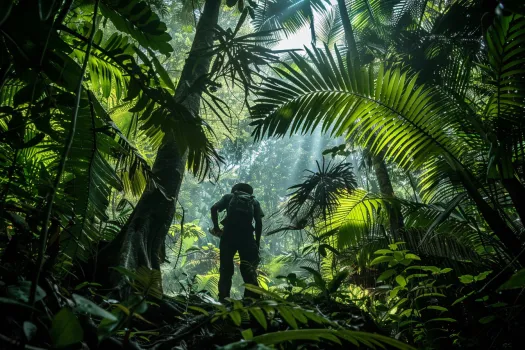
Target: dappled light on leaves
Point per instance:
(360, 164)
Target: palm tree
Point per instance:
(454, 142)
(344, 20)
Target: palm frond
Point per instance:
(412, 8)
(355, 217)
(384, 110)
(330, 28)
(106, 77)
(287, 15)
(371, 14)
(91, 183)
(506, 75)
(441, 230)
(144, 29)
(370, 340)
(438, 182)
(318, 195)
(208, 282)
(9, 90)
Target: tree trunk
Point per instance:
(385, 187)
(517, 194)
(505, 234)
(141, 240)
(348, 31)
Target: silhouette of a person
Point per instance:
(242, 211)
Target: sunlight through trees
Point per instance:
(383, 139)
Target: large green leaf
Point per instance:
(504, 108)
(330, 29)
(21, 290)
(137, 19)
(258, 314)
(65, 329)
(516, 281)
(93, 179)
(87, 306)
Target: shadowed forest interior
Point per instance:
(384, 141)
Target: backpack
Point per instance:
(241, 208)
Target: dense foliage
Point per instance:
(388, 156)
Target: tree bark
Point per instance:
(141, 240)
(348, 31)
(385, 187)
(380, 169)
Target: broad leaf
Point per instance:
(515, 281)
(87, 306)
(65, 329)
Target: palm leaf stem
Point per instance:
(348, 30)
(517, 194)
(493, 219)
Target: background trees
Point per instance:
(406, 114)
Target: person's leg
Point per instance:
(249, 256)
(227, 252)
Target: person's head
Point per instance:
(242, 187)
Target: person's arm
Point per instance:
(215, 217)
(258, 231)
(215, 209)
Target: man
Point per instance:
(242, 210)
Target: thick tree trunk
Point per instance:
(142, 238)
(385, 187)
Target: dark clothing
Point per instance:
(234, 241)
(223, 203)
(238, 237)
